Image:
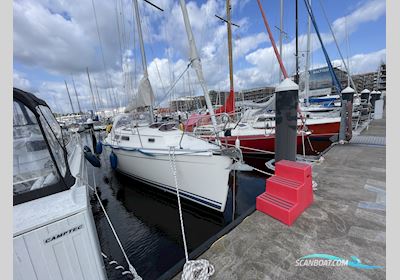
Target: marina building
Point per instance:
(255, 94)
(365, 81)
(320, 84)
(187, 103)
(382, 77)
(321, 81)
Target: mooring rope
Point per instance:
(132, 270)
(256, 169)
(117, 265)
(193, 269)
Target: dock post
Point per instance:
(287, 97)
(348, 96)
(342, 129)
(365, 95)
(373, 97)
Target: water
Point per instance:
(147, 220)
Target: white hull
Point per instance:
(54, 237)
(202, 177)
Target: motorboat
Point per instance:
(54, 235)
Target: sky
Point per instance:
(57, 41)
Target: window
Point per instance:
(167, 127)
(123, 121)
(156, 125)
(54, 135)
(33, 167)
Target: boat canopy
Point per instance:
(40, 166)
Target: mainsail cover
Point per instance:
(144, 97)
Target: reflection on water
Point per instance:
(147, 220)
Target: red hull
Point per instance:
(319, 138)
(324, 128)
(320, 134)
(256, 142)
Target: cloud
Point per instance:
(368, 11)
(20, 81)
(60, 37)
(364, 62)
(264, 59)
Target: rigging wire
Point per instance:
(108, 79)
(146, 26)
(175, 82)
(76, 94)
(118, 31)
(120, 46)
(97, 92)
(336, 43)
(125, 37)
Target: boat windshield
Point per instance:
(33, 167)
(124, 120)
(54, 135)
(132, 120)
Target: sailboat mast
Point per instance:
(337, 46)
(308, 55)
(76, 94)
(335, 79)
(229, 29)
(142, 51)
(348, 51)
(196, 63)
(271, 38)
(91, 91)
(69, 96)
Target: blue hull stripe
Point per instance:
(214, 204)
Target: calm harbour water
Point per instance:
(147, 219)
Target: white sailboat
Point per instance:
(147, 151)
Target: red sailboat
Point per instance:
(250, 138)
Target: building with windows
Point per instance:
(187, 103)
(321, 81)
(382, 77)
(365, 81)
(255, 94)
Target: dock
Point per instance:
(347, 218)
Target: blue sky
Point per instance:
(54, 39)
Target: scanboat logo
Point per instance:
(54, 237)
(329, 260)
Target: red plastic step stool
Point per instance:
(288, 193)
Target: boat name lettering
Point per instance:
(54, 237)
